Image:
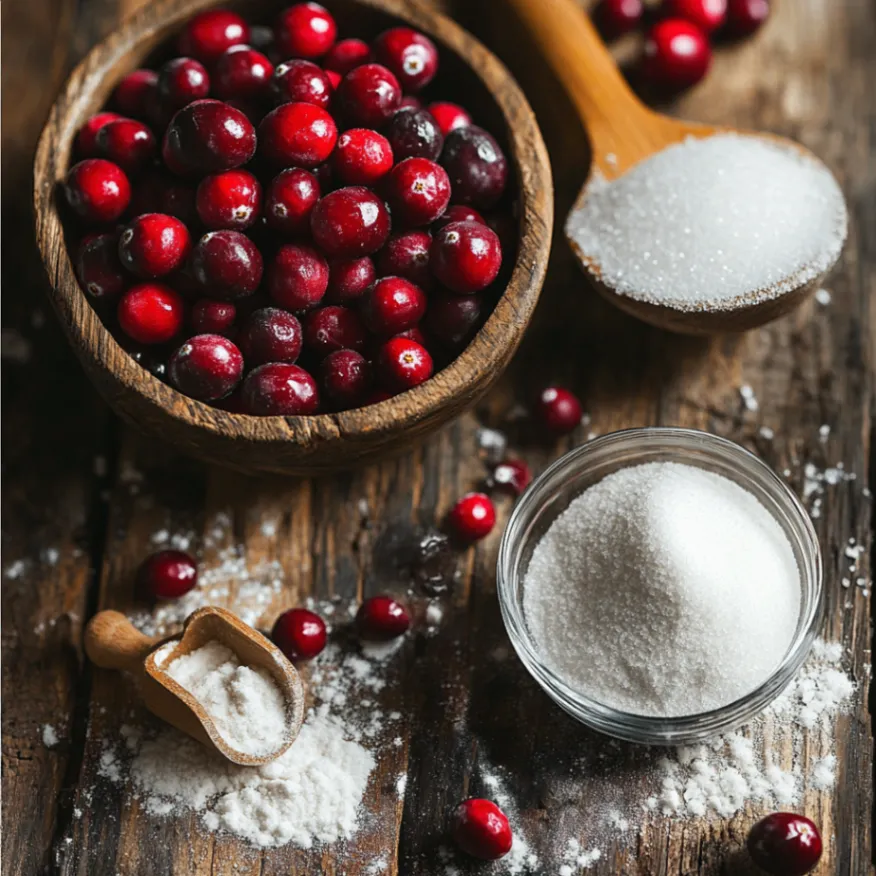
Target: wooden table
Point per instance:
(74, 531)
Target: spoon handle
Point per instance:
(113, 642)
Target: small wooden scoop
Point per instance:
(112, 642)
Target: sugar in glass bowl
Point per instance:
(550, 494)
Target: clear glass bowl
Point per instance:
(549, 495)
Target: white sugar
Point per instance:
(709, 224)
(50, 736)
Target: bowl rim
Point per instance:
(484, 357)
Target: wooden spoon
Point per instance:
(112, 642)
(623, 132)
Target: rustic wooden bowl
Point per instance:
(316, 444)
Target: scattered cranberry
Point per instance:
(512, 475)
(154, 245)
(350, 222)
(299, 634)
(135, 92)
(413, 133)
(614, 18)
(279, 389)
(302, 81)
(226, 264)
(212, 317)
(231, 199)
(481, 829)
(368, 95)
(362, 157)
(708, 15)
(297, 133)
(98, 190)
(381, 619)
(448, 116)
(411, 55)
(476, 166)
(180, 82)
(465, 256)
(558, 410)
(271, 335)
(744, 17)
(86, 140)
(151, 313)
(344, 55)
(207, 136)
(127, 143)
(473, 517)
(393, 305)
(403, 364)
(676, 55)
(169, 574)
(333, 328)
(297, 277)
(305, 30)
(458, 213)
(242, 73)
(452, 319)
(98, 267)
(206, 367)
(348, 279)
(345, 376)
(785, 844)
(407, 255)
(418, 191)
(210, 33)
(290, 200)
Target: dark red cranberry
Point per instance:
(348, 279)
(410, 101)
(368, 95)
(458, 213)
(212, 317)
(230, 199)
(301, 81)
(393, 305)
(98, 268)
(744, 17)
(558, 410)
(362, 157)
(324, 177)
(452, 319)
(207, 136)
(128, 143)
(169, 574)
(376, 396)
(180, 82)
(708, 15)
(270, 335)
(297, 277)
(407, 255)
(297, 133)
(381, 619)
(305, 30)
(135, 92)
(511, 475)
(476, 165)
(448, 116)
(278, 389)
(227, 264)
(158, 193)
(413, 133)
(346, 377)
(785, 844)
(413, 334)
(154, 245)
(98, 190)
(299, 634)
(617, 17)
(481, 829)
(242, 73)
(290, 200)
(403, 364)
(411, 55)
(677, 55)
(333, 328)
(344, 55)
(85, 145)
(473, 517)
(151, 313)
(209, 34)
(206, 367)
(254, 110)
(350, 222)
(465, 256)
(418, 191)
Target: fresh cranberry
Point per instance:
(473, 517)
(348, 279)
(209, 317)
(448, 116)
(242, 73)
(558, 410)
(676, 55)
(614, 18)
(465, 256)
(209, 34)
(411, 55)
(413, 334)
(301, 81)
(98, 267)
(305, 30)
(708, 15)
(452, 319)
(334, 79)
(227, 264)
(180, 82)
(403, 364)
(350, 222)
(297, 133)
(368, 95)
(86, 140)
(381, 619)
(376, 396)
(299, 634)
(206, 367)
(410, 101)
(207, 136)
(407, 255)
(98, 190)
(333, 328)
(156, 192)
(418, 191)
(297, 277)
(512, 475)
(270, 335)
(744, 17)
(135, 92)
(362, 157)
(458, 213)
(231, 199)
(481, 829)
(345, 376)
(393, 305)
(344, 55)
(290, 200)
(169, 574)
(254, 110)
(324, 177)
(151, 313)
(413, 133)
(127, 143)
(785, 844)
(476, 165)
(154, 245)
(277, 389)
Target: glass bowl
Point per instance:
(549, 495)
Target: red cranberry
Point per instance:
(290, 200)
(476, 166)
(348, 279)
(169, 574)
(334, 79)
(614, 18)
(98, 190)
(362, 157)
(180, 82)
(98, 267)
(212, 317)
(403, 364)
(206, 367)
(465, 256)
(226, 264)
(297, 133)
(299, 634)
(744, 17)
(368, 95)
(231, 199)
(413, 334)
(207, 136)
(297, 277)
(481, 829)
(452, 319)
(151, 313)
(413, 133)
(708, 15)
(345, 376)
(381, 619)
(392, 305)
(157, 193)
(785, 844)
(448, 116)
(410, 101)
(344, 55)
(407, 255)
(305, 30)
(676, 55)
(333, 328)
(558, 410)
(301, 81)
(376, 396)
(411, 55)
(278, 389)
(135, 92)
(458, 213)
(86, 140)
(128, 143)
(209, 34)
(350, 222)
(512, 475)
(270, 335)
(418, 191)
(242, 73)
(473, 517)
(154, 245)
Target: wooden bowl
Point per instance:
(315, 444)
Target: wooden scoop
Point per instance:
(112, 642)
(623, 132)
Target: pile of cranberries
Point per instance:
(275, 222)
